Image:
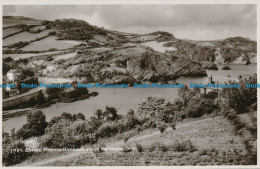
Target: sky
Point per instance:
(196, 22)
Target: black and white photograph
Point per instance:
(129, 85)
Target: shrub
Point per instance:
(191, 103)
(78, 116)
(126, 149)
(126, 137)
(107, 129)
(76, 93)
(35, 126)
(15, 157)
(8, 59)
(163, 147)
(226, 68)
(153, 106)
(52, 33)
(241, 98)
(121, 63)
(131, 122)
(139, 147)
(184, 146)
(110, 113)
(162, 127)
(18, 45)
(152, 147)
(173, 126)
(66, 133)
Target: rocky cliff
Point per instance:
(236, 50)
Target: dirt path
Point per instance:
(62, 158)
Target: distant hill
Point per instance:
(231, 50)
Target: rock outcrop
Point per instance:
(157, 67)
(210, 66)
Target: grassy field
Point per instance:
(212, 139)
(65, 56)
(26, 55)
(24, 36)
(14, 21)
(158, 46)
(144, 38)
(9, 31)
(37, 27)
(49, 43)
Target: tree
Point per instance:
(111, 113)
(5, 68)
(8, 59)
(66, 116)
(153, 105)
(130, 112)
(12, 157)
(241, 98)
(99, 114)
(28, 72)
(13, 134)
(78, 116)
(35, 126)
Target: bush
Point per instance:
(226, 68)
(18, 45)
(110, 113)
(35, 126)
(52, 33)
(8, 59)
(162, 127)
(131, 122)
(126, 149)
(191, 103)
(77, 93)
(139, 147)
(173, 126)
(152, 147)
(121, 63)
(126, 137)
(163, 147)
(241, 98)
(181, 146)
(153, 106)
(66, 134)
(15, 157)
(108, 129)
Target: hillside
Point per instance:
(236, 50)
(213, 140)
(75, 49)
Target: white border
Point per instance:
(100, 2)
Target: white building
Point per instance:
(14, 74)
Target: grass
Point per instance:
(23, 36)
(208, 141)
(14, 21)
(65, 56)
(10, 31)
(49, 43)
(27, 55)
(38, 27)
(158, 46)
